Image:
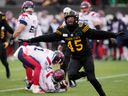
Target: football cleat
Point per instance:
(28, 85)
(37, 90)
(72, 83)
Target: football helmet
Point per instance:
(67, 10)
(71, 13)
(58, 57)
(58, 75)
(28, 6)
(85, 6)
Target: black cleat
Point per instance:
(28, 85)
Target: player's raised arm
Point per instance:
(99, 34)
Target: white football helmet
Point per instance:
(66, 10)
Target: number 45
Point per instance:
(78, 45)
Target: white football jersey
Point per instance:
(89, 19)
(43, 56)
(46, 81)
(31, 22)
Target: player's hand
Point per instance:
(63, 84)
(60, 48)
(6, 44)
(113, 41)
(120, 34)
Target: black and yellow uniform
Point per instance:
(4, 28)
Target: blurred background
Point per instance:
(55, 6)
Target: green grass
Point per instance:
(113, 75)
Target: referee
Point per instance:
(4, 29)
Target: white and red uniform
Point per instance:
(90, 18)
(46, 81)
(42, 57)
(36, 58)
(31, 22)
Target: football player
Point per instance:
(26, 28)
(53, 81)
(36, 58)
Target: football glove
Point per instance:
(5, 44)
(63, 84)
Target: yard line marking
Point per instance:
(112, 76)
(9, 90)
(100, 78)
(107, 77)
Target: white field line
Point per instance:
(107, 77)
(100, 78)
(9, 90)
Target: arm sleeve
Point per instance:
(46, 38)
(7, 27)
(57, 36)
(98, 34)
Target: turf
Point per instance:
(113, 75)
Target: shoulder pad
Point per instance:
(24, 15)
(3, 17)
(80, 24)
(62, 26)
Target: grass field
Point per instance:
(113, 75)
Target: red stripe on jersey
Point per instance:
(24, 14)
(49, 61)
(49, 74)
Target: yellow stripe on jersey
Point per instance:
(85, 29)
(3, 17)
(58, 32)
